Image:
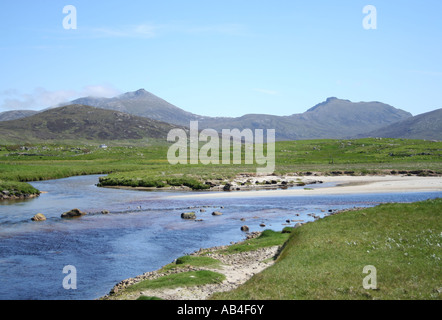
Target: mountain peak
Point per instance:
(140, 92)
(136, 94)
(327, 101)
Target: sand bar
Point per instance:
(344, 185)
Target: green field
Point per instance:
(326, 259)
(148, 165)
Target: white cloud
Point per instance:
(41, 98)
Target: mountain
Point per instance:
(333, 118)
(141, 103)
(424, 126)
(81, 123)
(16, 114)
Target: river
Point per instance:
(143, 232)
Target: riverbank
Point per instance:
(322, 260)
(387, 252)
(14, 190)
(339, 185)
(236, 267)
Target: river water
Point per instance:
(143, 232)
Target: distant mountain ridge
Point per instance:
(426, 126)
(331, 119)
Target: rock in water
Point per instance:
(38, 217)
(245, 228)
(216, 213)
(73, 213)
(188, 215)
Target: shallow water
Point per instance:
(143, 232)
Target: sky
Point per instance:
(223, 57)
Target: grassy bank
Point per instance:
(147, 166)
(15, 189)
(205, 267)
(325, 259)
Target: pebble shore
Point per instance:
(237, 268)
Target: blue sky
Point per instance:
(223, 58)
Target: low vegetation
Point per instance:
(267, 238)
(325, 259)
(194, 261)
(16, 188)
(183, 279)
(147, 166)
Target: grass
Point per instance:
(268, 238)
(148, 298)
(17, 188)
(194, 261)
(147, 166)
(183, 279)
(325, 259)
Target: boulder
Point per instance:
(245, 228)
(188, 215)
(105, 212)
(38, 217)
(217, 213)
(6, 192)
(73, 213)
